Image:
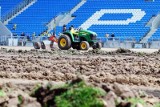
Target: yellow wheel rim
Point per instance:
(63, 42)
(83, 45)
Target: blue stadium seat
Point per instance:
(7, 5)
(35, 17)
(135, 30)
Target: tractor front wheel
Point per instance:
(98, 45)
(64, 42)
(84, 45)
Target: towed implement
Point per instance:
(46, 44)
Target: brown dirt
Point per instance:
(121, 66)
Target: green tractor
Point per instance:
(82, 40)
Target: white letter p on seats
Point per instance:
(138, 14)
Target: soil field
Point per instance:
(135, 69)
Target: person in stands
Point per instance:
(112, 36)
(22, 34)
(107, 35)
(33, 35)
(14, 27)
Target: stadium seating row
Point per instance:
(35, 17)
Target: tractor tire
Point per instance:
(76, 46)
(43, 45)
(84, 45)
(94, 46)
(37, 45)
(64, 42)
(98, 45)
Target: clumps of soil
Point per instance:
(121, 50)
(78, 93)
(122, 96)
(65, 52)
(45, 95)
(75, 93)
(70, 52)
(156, 53)
(12, 96)
(95, 65)
(3, 49)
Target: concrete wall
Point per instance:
(5, 33)
(118, 44)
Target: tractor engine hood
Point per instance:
(88, 32)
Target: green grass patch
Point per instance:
(2, 93)
(20, 99)
(81, 95)
(157, 105)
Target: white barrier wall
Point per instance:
(118, 44)
(12, 42)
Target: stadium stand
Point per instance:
(34, 18)
(7, 5)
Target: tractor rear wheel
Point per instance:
(84, 45)
(37, 45)
(64, 42)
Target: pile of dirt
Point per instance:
(77, 92)
(44, 65)
(96, 66)
(12, 96)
